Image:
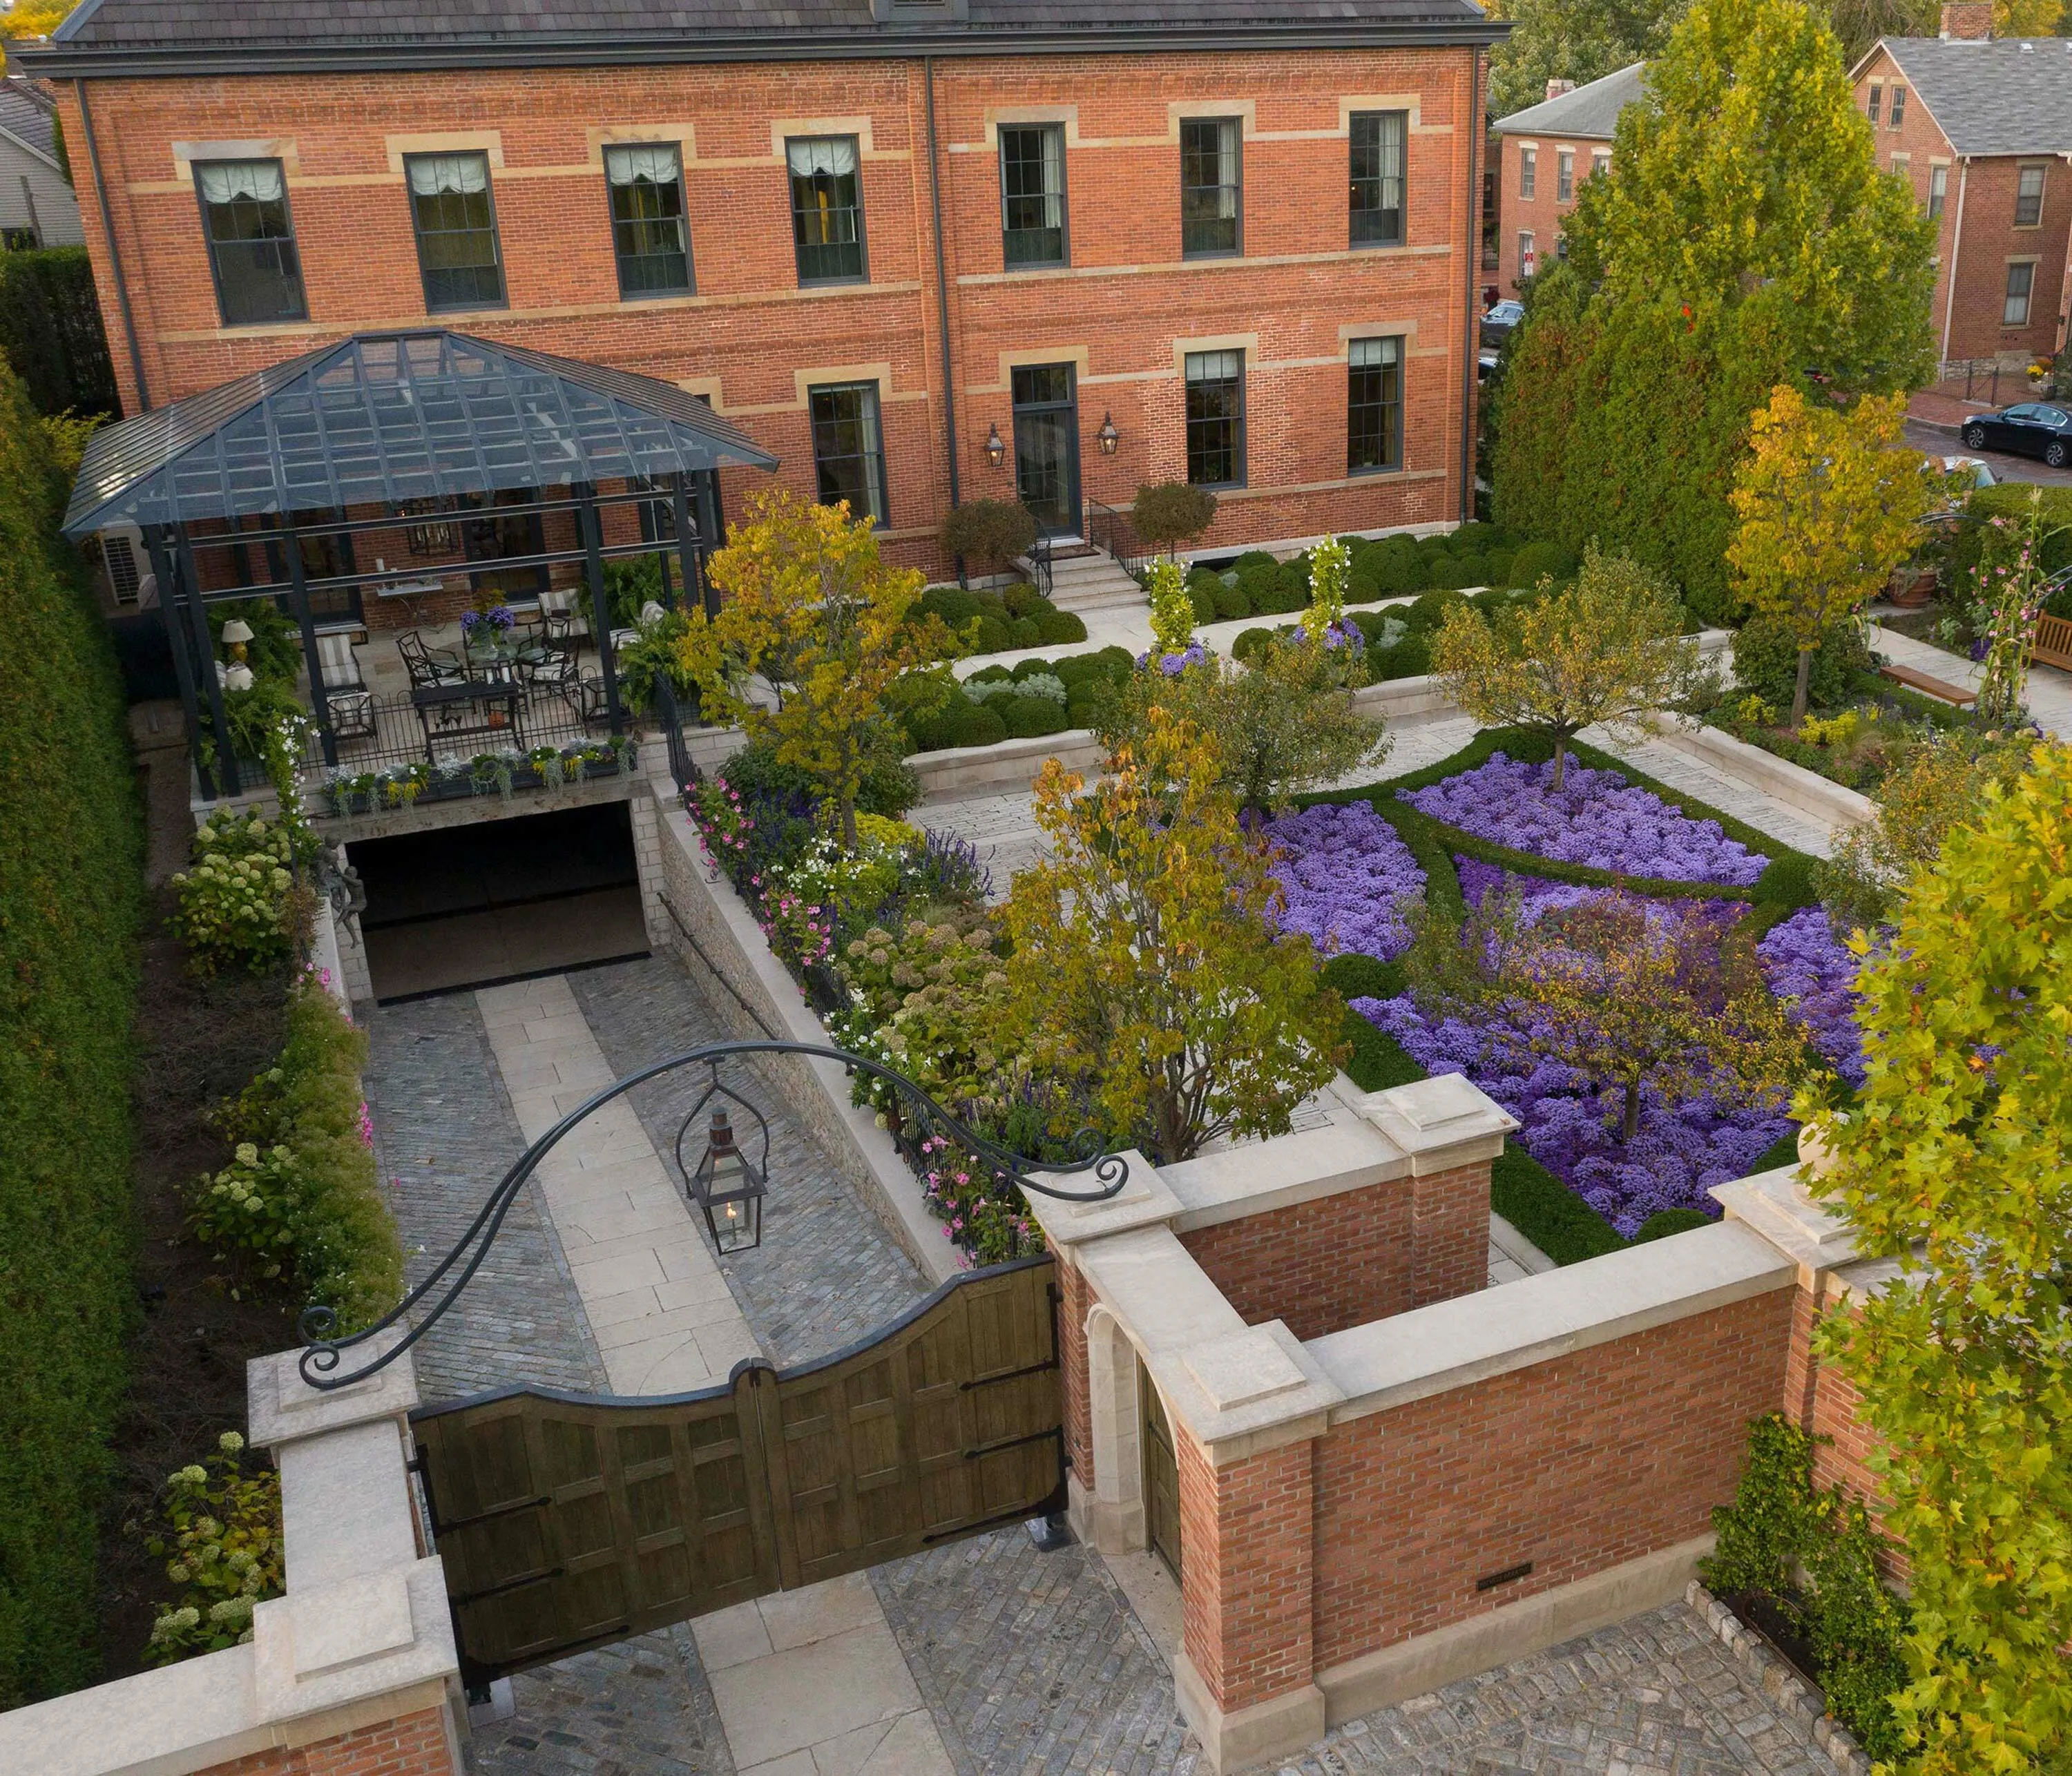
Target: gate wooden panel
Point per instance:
(567, 1521)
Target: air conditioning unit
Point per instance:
(127, 582)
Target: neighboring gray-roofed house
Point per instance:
(1993, 97)
(1590, 113)
(37, 207)
(1542, 155)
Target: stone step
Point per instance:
(1093, 581)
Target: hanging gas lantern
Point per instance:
(728, 1188)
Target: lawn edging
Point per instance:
(1777, 777)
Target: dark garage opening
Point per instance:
(499, 900)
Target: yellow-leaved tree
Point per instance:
(815, 648)
(1611, 649)
(1829, 504)
(1143, 963)
(28, 19)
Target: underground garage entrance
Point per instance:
(499, 900)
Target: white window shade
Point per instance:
(631, 166)
(834, 155)
(226, 181)
(432, 176)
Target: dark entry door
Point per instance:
(1161, 1474)
(1046, 446)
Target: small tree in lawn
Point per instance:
(1171, 513)
(1610, 650)
(989, 533)
(813, 612)
(1828, 505)
(1143, 963)
(1955, 1165)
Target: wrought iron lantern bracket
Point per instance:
(322, 1354)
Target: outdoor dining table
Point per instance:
(503, 658)
(469, 710)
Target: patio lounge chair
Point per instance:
(346, 693)
(562, 612)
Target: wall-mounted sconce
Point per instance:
(995, 450)
(1108, 436)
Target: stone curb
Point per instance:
(1796, 1703)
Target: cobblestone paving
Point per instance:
(640, 1708)
(1654, 1695)
(827, 1273)
(1033, 1662)
(444, 1133)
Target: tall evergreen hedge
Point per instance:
(51, 331)
(71, 896)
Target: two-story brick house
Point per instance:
(919, 250)
(1548, 150)
(1982, 127)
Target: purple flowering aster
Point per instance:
(1347, 878)
(1596, 819)
(1806, 963)
(1171, 665)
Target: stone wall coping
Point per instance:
(183, 1717)
(1451, 1344)
(345, 1506)
(335, 1646)
(1163, 1300)
(1777, 1206)
(281, 1406)
(1257, 1177)
(1441, 1123)
(1792, 784)
(469, 810)
(1147, 1199)
(1863, 1279)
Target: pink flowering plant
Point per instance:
(2007, 599)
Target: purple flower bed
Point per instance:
(1803, 960)
(1682, 1150)
(1596, 818)
(1536, 894)
(1346, 878)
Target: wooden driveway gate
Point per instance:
(569, 1520)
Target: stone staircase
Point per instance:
(1086, 580)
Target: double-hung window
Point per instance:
(1896, 115)
(1032, 195)
(1528, 173)
(849, 449)
(1565, 174)
(1871, 104)
(1600, 162)
(827, 209)
(1938, 191)
(2021, 282)
(1215, 418)
(1379, 140)
(1528, 260)
(2028, 197)
(1374, 405)
(251, 241)
(455, 219)
(649, 234)
(1210, 182)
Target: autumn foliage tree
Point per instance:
(1956, 1167)
(1143, 963)
(1610, 650)
(828, 628)
(1829, 505)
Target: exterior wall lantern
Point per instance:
(995, 450)
(1108, 436)
(728, 1187)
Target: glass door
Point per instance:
(1046, 446)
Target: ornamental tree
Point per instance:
(1168, 514)
(1829, 505)
(1581, 40)
(829, 627)
(1143, 963)
(1172, 610)
(1956, 1167)
(1610, 650)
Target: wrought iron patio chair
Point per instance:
(346, 694)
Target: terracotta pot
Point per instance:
(1910, 591)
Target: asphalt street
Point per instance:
(1943, 441)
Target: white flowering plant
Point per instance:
(218, 1529)
(236, 900)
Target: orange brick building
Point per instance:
(1548, 150)
(1236, 241)
(1981, 128)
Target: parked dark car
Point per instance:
(2035, 428)
(1498, 323)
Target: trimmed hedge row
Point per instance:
(51, 332)
(71, 900)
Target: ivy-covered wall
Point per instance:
(71, 893)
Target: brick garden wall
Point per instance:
(751, 339)
(415, 1745)
(1245, 1536)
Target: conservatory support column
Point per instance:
(298, 595)
(708, 538)
(686, 555)
(226, 755)
(171, 615)
(592, 543)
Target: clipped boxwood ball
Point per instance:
(1058, 627)
(1230, 603)
(1027, 717)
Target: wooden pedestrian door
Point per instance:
(1161, 1474)
(566, 1521)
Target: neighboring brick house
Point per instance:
(1982, 128)
(1549, 150)
(1144, 207)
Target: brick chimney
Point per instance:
(1969, 20)
(1556, 88)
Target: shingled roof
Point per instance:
(25, 115)
(174, 36)
(1992, 96)
(1590, 111)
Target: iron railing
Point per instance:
(1982, 378)
(1111, 530)
(669, 720)
(1039, 559)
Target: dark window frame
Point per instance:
(1362, 233)
(1236, 186)
(1895, 112)
(620, 256)
(1528, 174)
(211, 244)
(1874, 102)
(1194, 422)
(2024, 203)
(1047, 131)
(2027, 294)
(1939, 194)
(1564, 175)
(1390, 406)
(427, 272)
(800, 245)
(872, 456)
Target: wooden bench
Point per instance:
(1928, 686)
(2053, 642)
